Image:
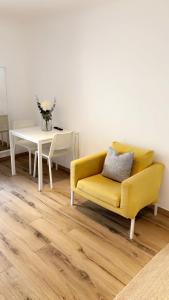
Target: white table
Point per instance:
(37, 136)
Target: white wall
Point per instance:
(108, 67)
(15, 56)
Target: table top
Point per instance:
(36, 135)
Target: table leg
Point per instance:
(40, 168)
(12, 152)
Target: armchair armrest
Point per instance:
(141, 189)
(86, 166)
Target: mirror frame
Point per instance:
(6, 152)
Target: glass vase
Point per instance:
(46, 125)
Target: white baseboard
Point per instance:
(6, 153)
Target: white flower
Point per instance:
(46, 105)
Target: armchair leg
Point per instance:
(155, 209)
(72, 198)
(132, 228)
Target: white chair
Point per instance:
(60, 145)
(29, 146)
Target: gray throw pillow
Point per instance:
(118, 166)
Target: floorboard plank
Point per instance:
(14, 286)
(30, 265)
(51, 251)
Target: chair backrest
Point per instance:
(23, 124)
(143, 158)
(62, 141)
(4, 125)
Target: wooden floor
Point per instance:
(49, 250)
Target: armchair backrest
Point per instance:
(142, 158)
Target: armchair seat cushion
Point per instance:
(101, 188)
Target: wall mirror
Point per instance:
(4, 122)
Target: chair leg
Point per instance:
(51, 163)
(72, 198)
(50, 173)
(30, 162)
(35, 163)
(7, 139)
(155, 209)
(132, 228)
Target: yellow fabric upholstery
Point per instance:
(127, 198)
(142, 158)
(86, 166)
(141, 189)
(101, 188)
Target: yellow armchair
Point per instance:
(126, 198)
